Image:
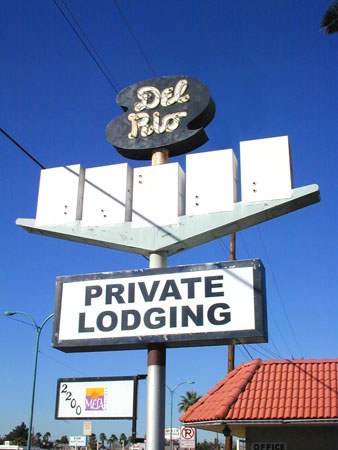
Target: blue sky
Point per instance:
(270, 71)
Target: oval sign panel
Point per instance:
(162, 113)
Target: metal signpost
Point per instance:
(159, 211)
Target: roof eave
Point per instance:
(213, 423)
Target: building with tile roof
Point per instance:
(294, 402)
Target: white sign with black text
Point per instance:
(206, 304)
(77, 441)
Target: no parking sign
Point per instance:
(187, 437)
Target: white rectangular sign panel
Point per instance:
(138, 446)
(205, 304)
(77, 441)
(175, 433)
(96, 398)
(87, 428)
(188, 437)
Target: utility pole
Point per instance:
(231, 348)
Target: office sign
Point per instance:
(205, 304)
(96, 398)
(167, 112)
(269, 446)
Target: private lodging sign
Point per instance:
(195, 305)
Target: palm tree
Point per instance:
(113, 438)
(38, 438)
(103, 438)
(92, 441)
(330, 20)
(46, 436)
(123, 439)
(188, 400)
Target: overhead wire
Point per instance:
(264, 351)
(278, 291)
(244, 244)
(21, 148)
(91, 45)
(247, 352)
(224, 246)
(42, 353)
(62, 364)
(98, 60)
(134, 37)
(270, 309)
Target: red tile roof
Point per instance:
(265, 390)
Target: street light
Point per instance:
(171, 408)
(38, 331)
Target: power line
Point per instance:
(111, 80)
(62, 364)
(92, 46)
(134, 37)
(223, 245)
(247, 351)
(21, 148)
(266, 352)
(279, 330)
(44, 354)
(271, 312)
(244, 244)
(278, 291)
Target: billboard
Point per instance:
(195, 305)
(96, 398)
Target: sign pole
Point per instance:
(156, 358)
(231, 348)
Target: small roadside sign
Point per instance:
(187, 439)
(77, 441)
(138, 446)
(175, 433)
(87, 428)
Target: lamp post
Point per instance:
(171, 408)
(38, 331)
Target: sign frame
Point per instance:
(61, 381)
(257, 335)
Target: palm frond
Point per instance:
(330, 20)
